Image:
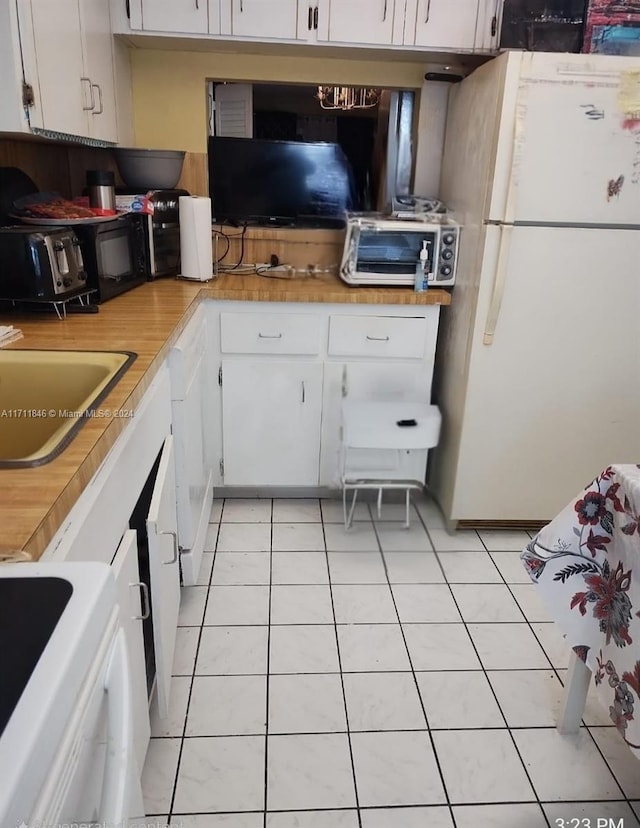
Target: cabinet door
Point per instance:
(444, 24)
(162, 532)
(271, 414)
(377, 381)
(99, 68)
(255, 18)
(125, 571)
(489, 25)
(358, 21)
(65, 91)
(179, 16)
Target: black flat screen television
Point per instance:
(279, 182)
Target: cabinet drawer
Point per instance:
(270, 333)
(377, 336)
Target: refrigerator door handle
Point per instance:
(506, 231)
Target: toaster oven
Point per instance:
(381, 250)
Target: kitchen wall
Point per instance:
(170, 107)
(56, 167)
(169, 88)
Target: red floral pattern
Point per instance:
(594, 544)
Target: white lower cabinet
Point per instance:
(133, 597)
(164, 572)
(97, 529)
(284, 369)
(271, 412)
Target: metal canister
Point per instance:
(102, 190)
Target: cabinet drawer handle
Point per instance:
(99, 88)
(426, 20)
(377, 338)
(175, 547)
(197, 5)
(303, 392)
(310, 18)
(269, 336)
(146, 604)
(384, 13)
(241, 5)
(93, 100)
(315, 18)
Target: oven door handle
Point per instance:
(118, 773)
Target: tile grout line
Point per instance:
(415, 681)
(193, 671)
(484, 671)
(344, 695)
(555, 670)
(266, 711)
(624, 797)
(502, 713)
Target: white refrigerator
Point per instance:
(538, 362)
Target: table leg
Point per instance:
(575, 695)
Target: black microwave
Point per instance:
(115, 254)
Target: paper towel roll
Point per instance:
(196, 254)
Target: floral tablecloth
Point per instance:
(586, 563)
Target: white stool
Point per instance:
(373, 426)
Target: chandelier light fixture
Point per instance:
(347, 97)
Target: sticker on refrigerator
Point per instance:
(629, 99)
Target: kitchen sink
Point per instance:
(46, 396)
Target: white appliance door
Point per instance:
(95, 778)
(164, 572)
(556, 397)
(574, 132)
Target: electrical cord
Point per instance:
(227, 240)
(228, 236)
(289, 272)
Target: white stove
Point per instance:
(66, 747)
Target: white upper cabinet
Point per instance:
(58, 70)
(442, 24)
(451, 25)
(489, 24)
(99, 68)
(256, 18)
(64, 52)
(361, 21)
(181, 16)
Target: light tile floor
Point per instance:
(325, 679)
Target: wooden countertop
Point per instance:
(147, 320)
